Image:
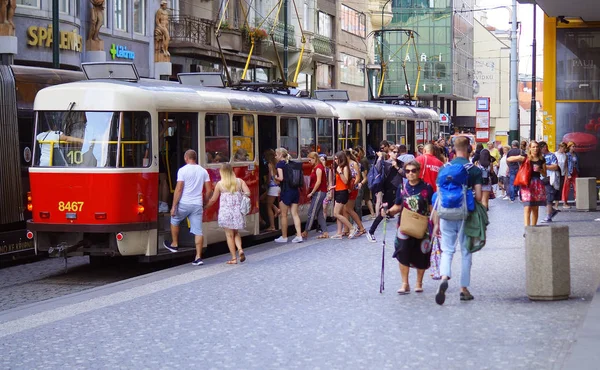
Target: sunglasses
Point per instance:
(412, 170)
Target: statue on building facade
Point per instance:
(7, 13)
(97, 19)
(161, 34)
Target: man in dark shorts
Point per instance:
(513, 159)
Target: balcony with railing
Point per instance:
(280, 31)
(323, 45)
(191, 29)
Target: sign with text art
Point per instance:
(482, 120)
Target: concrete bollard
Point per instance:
(586, 193)
(548, 263)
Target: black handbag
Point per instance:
(493, 177)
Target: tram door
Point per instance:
(178, 133)
(411, 145)
(374, 137)
(267, 139)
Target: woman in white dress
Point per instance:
(230, 218)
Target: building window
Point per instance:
(29, 3)
(288, 134)
(174, 7)
(353, 21)
(307, 136)
(217, 137)
(63, 6)
(243, 138)
(324, 76)
(324, 25)
(306, 17)
(352, 70)
(120, 10)
(139, 16)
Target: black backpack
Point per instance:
(294, 177)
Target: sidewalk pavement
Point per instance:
(317, 305)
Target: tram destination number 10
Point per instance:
(70, 206)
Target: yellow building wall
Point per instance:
(549, 89)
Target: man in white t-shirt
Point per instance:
(188, 201)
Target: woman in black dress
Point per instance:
(412, 252)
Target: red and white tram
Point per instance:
(107, 150)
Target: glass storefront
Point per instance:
(578, 78)
(577, 64)
(444, 70)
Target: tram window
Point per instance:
(401, 133)
(135, 140)
(391, 131)
(325, 136)
(420, 129)
(243, 137)
(77, 139)
(217, 137)
(288, 133)
(350, 138)
(307, 136)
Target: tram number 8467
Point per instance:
(70, 206)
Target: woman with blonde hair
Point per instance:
(230, 218)
(317, 191)
(289, 199)
(273, 189)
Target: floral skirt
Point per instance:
(534, 194)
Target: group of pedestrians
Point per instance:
(408, 185)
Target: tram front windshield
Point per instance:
(92, 139)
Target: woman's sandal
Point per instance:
(337, 236)
(304, 235)
(232, 261)
(242, 257)
(419, 289)
(404, 290)
(345, 233)
(360, 232)
(269, 229)
(323, 236)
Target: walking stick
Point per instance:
(381, 283)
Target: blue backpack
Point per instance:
(454, 201)
(375, 178)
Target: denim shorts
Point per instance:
(290, 196)
(193, 212)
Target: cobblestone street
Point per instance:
(315, 305)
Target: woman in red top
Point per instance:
(342, 180)
(317, 191)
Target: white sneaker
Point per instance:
(163, 207)
(281, 239)
(297, 239)
(505, 198)
(371, 237)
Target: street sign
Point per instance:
(482, 120)
(482, 136)
(483, 104)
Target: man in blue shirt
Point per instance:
(551, 181)
(452, 231)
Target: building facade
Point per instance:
(439, 65)
(127, 31)
(490, 80)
